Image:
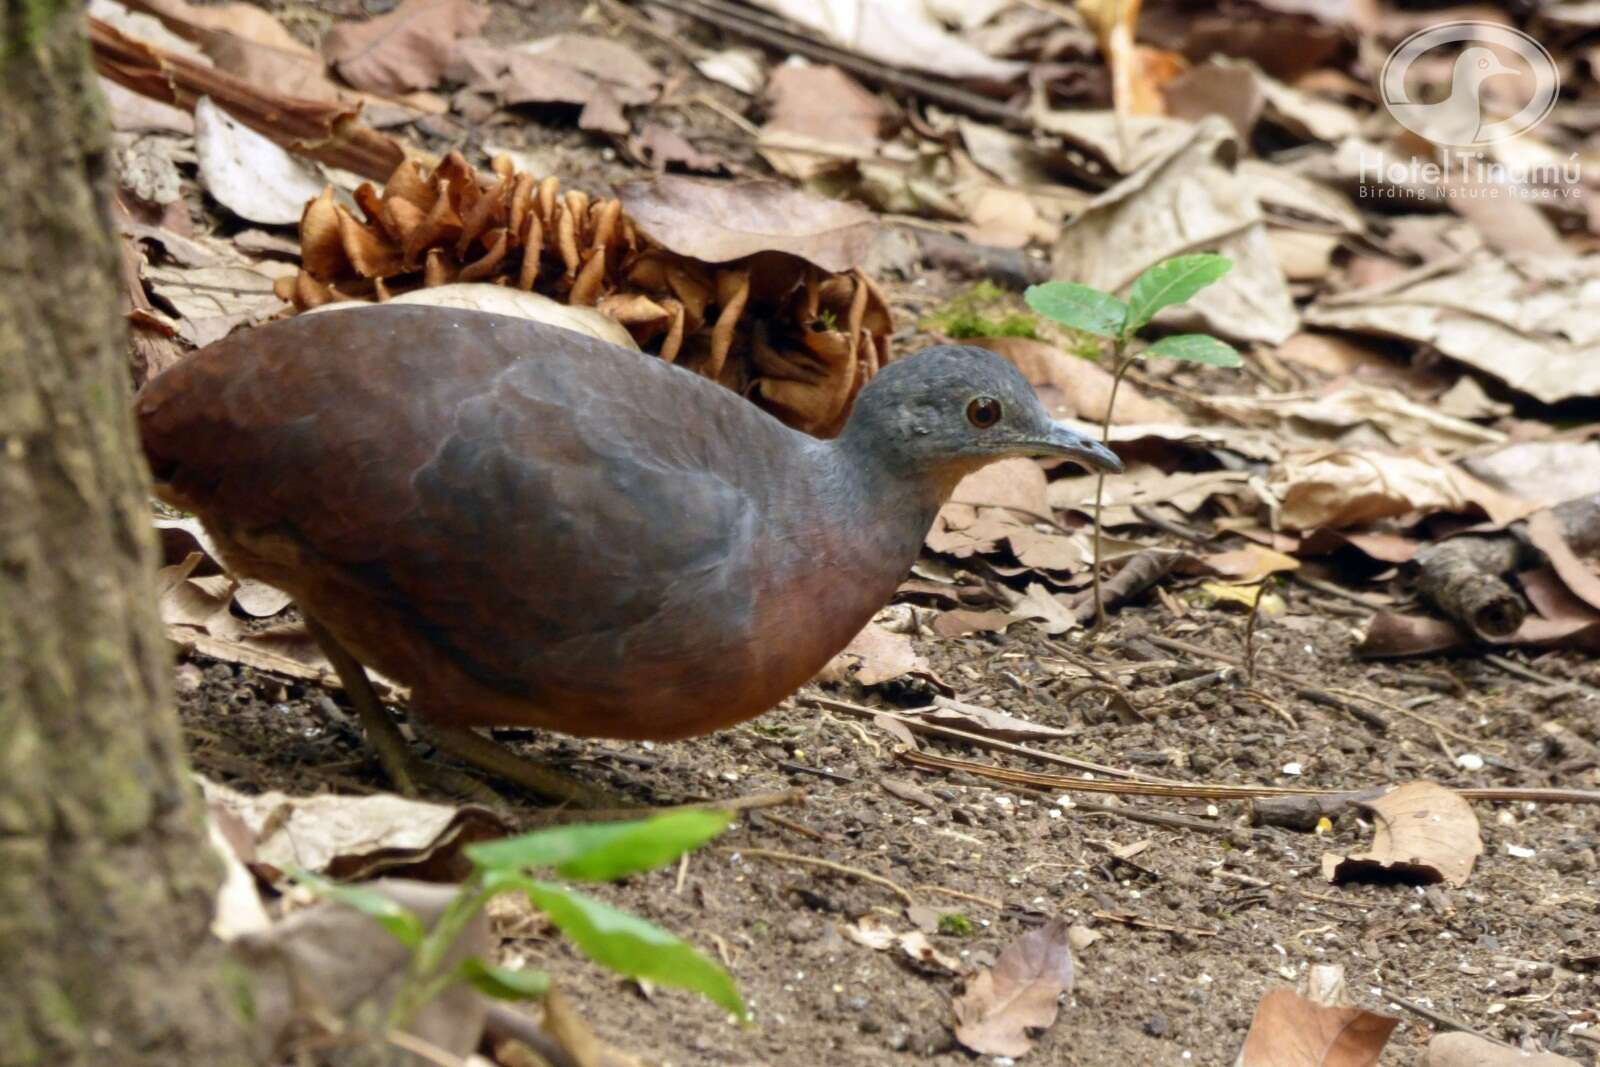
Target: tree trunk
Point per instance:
(106, 877)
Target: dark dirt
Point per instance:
(1502, 954)
(1512, 954)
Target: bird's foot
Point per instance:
(502, 763)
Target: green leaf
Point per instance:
(1196, 348)
(503, 983)
(402, 923)
(626, 943)
(1170, 282)
(603, 852)
(1078, 306)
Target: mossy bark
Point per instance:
(106, 878)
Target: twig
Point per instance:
(752, 802)
(1439, 1018)
(813, 861)
(919, 726)
(1161, 818)
(1153, 924)
(1151, 517)
(1209, 790)
(988, 902)
(795, 827)
(801, 768)
(1334, 591)
(1262, 587)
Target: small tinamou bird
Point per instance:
(531, 527)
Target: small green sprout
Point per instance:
(1167, 284)
(598, 852)
(982, 311)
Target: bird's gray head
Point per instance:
(1476, 65)
(950, 409)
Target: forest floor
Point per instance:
(1191, 924)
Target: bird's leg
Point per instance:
(403, 767)
(501, 762)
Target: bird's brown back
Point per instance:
(525, 524)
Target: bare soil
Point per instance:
(1507, 955)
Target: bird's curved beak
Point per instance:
(1060, 441)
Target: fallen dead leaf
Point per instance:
(819, 106)
(408, 48)
(1350, 488)
(1358, 415)
(348, 837)
(248, 174)
(874, 656)
(1187, 200)
(1291, 1031)
(1424, 833)
(1019, 993)
(721, 221)
(905, 34)
(986, 721)
(1524, 320)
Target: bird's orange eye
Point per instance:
(983, 412)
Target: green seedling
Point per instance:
(955, 924)
(1167, 284)
(599, 852)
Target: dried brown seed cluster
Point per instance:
(799, 340)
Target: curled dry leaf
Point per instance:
(874, 932)
(1019, 993)
(774, 324)
(1425, 833)
(1291, 1031)
(986, 721)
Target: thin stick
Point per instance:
(813, 861)
(1440, 1019)
(1212, 790)
(988, 902)
(1123, 363)
(1153, 924)
(1250, 631)
(918, 726)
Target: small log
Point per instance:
(1464, 578)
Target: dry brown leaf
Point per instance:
(722, 221)
(1145, 486)
(1019, 993)
(1187, 200)
(408, 48)
(1423, 833)
(247, 173)
(1358, 416)
(1290, 1031)
(1016, 483)
(874, 656)
(1457, 1049)
(986, 721)
(823, 106)
(1527, 321)
(904, 34)
(1350, 488)
(347, 837)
